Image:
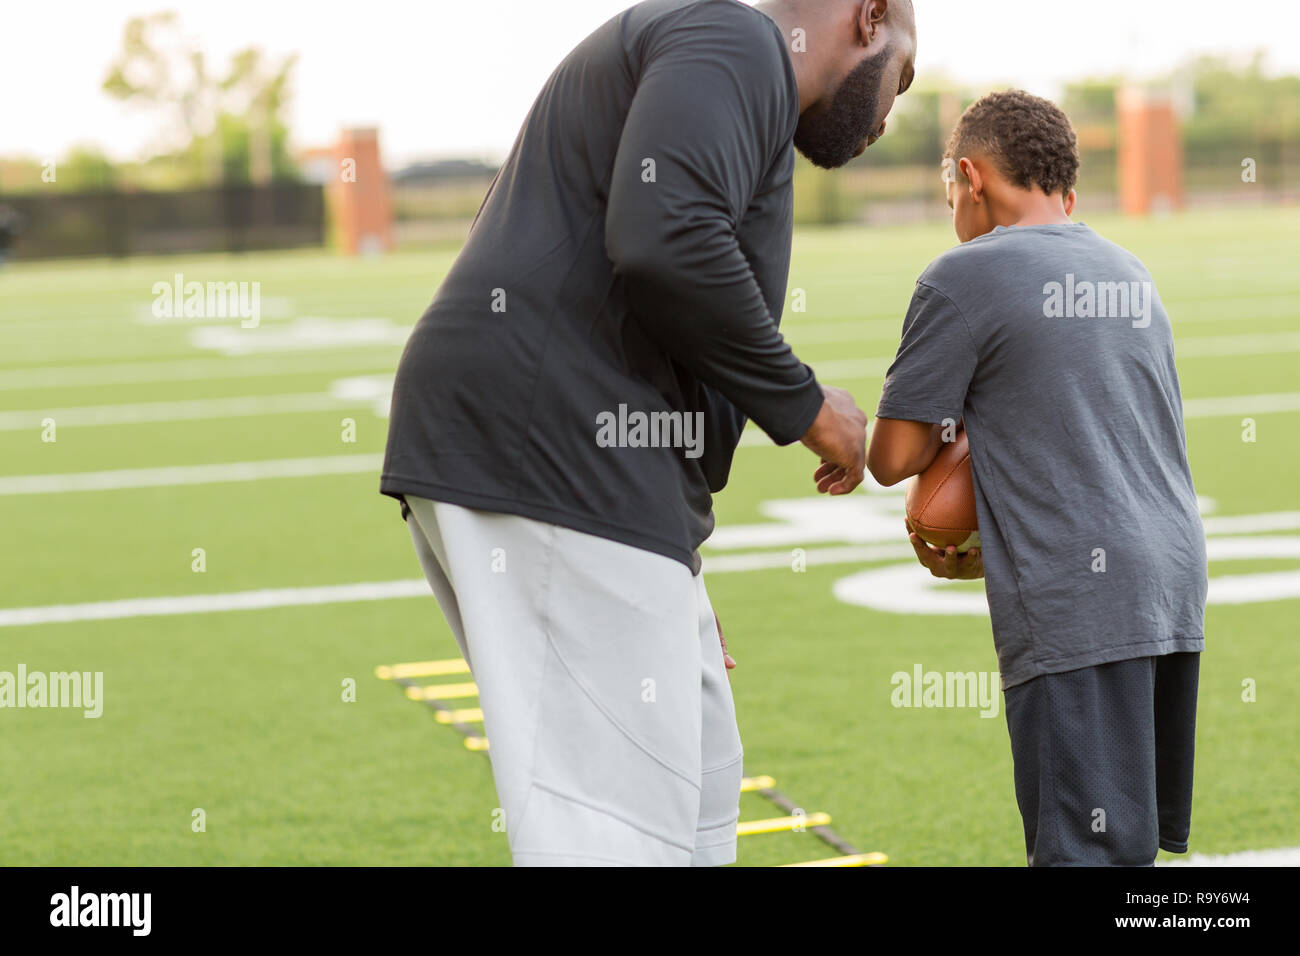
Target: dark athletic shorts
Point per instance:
(1103, 760)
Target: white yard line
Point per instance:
(1234, 405)
(812, 557)
(1252, 524)
(190, 474)
(118, 373)
(212, 603)
(371, 591)
(196, 409)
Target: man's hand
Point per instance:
(839, 438)
(726, 658)
(947, 564)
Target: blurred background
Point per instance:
(198, 126)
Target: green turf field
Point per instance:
(240, 712)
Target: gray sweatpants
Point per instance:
(604, 694)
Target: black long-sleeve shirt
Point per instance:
(631, 257)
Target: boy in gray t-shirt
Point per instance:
(1051, 346)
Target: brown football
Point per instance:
(941, 500)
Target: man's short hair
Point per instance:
(1029, 139)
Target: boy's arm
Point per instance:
(925, 389)
(900, 449)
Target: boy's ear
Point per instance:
(972, 174)
(1070, 199)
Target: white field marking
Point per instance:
(347, 593)
(304, 334)
(871, 524)
(1283, 856)
(766, 560)
(1253, 524)
(212, 603)
(53, 328)
(73, 376)
(374, 391)
(190, 475)
(909, 589)
(73, 347)
(271, 307)
(1241, 405)
(874, 518)
(179, 411)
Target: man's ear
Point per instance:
(972, 174)
(870, 16)
(1070, 199)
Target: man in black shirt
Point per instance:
(574, 395)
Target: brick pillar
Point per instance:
(1150, 154)
(359, 198)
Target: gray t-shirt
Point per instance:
(1052, 344)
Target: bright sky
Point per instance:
(456, 77)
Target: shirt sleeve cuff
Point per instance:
(808, 400)
(929, 414)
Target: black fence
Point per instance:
(228, 219)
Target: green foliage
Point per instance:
(227, 128)
(86, 168)
(1090, 101)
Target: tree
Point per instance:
(160, 67)
(265, 89)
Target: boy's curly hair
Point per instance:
(1029, 138)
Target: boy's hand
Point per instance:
(839, 437)
(947, 564)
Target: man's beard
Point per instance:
(831, 135)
